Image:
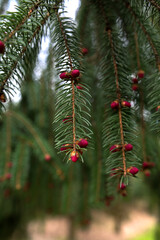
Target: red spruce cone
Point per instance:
(134, 87)
(148, 165)
(83, 143)
(79, 87)
(157, 108)
(128, 147)
(47, 157)
(2, 47)
(123, 186)
(147, 172)
(74, 156)
(140, 74)
(65, 147)
(115, 105)
(135, 80)
(84, 51)
(8, 176)
(64, 75)
(75, 73)
(125, 104)
(133, 170)
(115, 148)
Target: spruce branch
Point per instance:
(23, 51)
(35, 135)
(71, 103)
(146, 33)
(155, 4)
(72, 82)
(141, 101)
(109, 32)
(18, 27)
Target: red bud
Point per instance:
(128, 147)
(134, 87)
(75, 73)
(83, 143)
(148, 165)
(74, 156)
(135, 80)
(140, 74)
(64, 75)
(79, 87)
(2, 47)
(157, 108)
(126, 104)
(147, 173)
(115, 148)
(133, 170)
(65, 147)
(47, 157)
(115, 105)
(84, 51)
(123, 186)
(8, 176)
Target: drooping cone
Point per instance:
(147, 172)
(83, 143)
(64, 75)
(65, 147)
(115, 104)
(133, 170)
(47, 157)
(135, 87)
(122, 186)
(148, 165)
(84, 51)
(140, 74)
(75, 73)
(128, 147)
(135, 80)
(79, 87)
(74, 156)
(126, 104)
(115, 148)
(8, 176)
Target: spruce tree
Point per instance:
(79, 135)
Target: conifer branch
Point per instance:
(31, 10)
(24, 49)
(141, 101)
(137, 50)
(18, 176)
(72, 81)
(119, 99)
(155, 4)
(156, 54)
(30, 128)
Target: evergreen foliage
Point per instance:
(112, 104)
